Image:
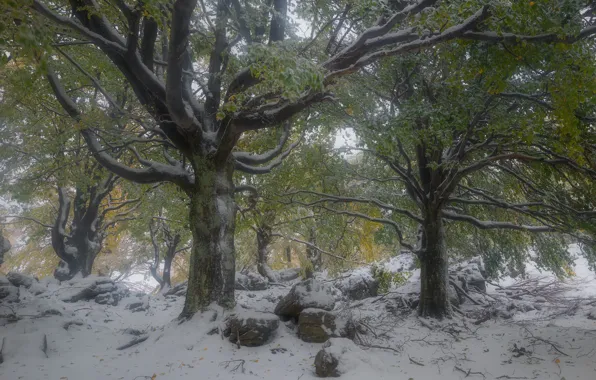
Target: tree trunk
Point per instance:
(167, 278)
(434, 275)
(289, 254)
(75, 259)
(263, 240)
(212, 218)
(313, 255)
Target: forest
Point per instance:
(361, 183)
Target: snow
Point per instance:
(453, 349)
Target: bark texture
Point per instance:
(212, 220)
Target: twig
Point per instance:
(415, 362)
(240, 365)
(134, 342)
(44, 345)
(511, 377)
(469, 372)
(2, 349)
(550, 343)
(463, 292)
(379, 347)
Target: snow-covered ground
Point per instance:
(395, 343)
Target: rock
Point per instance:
(289, 274)
(9, 294)
(137, 306)
(592, 314)
(88, 288)
(304, 295)
(358, 286)
(318, 325)
(50, 312)
(250, 281)
(470, 274)
(37, 289)
(339, 356)
(114, 297)
(19, 279)
(178, 290)
(76, 322)
(251, 328)
(4, 281)
(106, 299)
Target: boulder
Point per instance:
(358, 286)
(592, 314)
(318, 325)
(289, 274)
(304, 295)
(9, 294)
(88, 288)
(250, 281)
(4, 281)
(251, 328)
(341, 355)
(471, 274)
(19, 279)
(141, 305)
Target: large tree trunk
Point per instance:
(212, 220)
(434, 276)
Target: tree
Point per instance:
(500, 143)
(243, 91)
(91, 201)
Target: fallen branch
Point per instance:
(511, 377)
(469, 372)
(461, 291)
(546, 341)
(2, 349)
(134, 342)
(415, 362)
(240, 365)
(44, 345)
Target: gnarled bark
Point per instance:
(212, 216)
(434, 274)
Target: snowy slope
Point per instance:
(397, 345)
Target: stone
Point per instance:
(88, 288)
(251, 328)
(358, 286)
(288, 274)
(19, 279)
(4, 281)
(592, 314)
(250, 281)
(113, 297)
(9, 294)
(340, 355)
(137, 306)
(307, 294)
(318, 325)
(470, 274)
